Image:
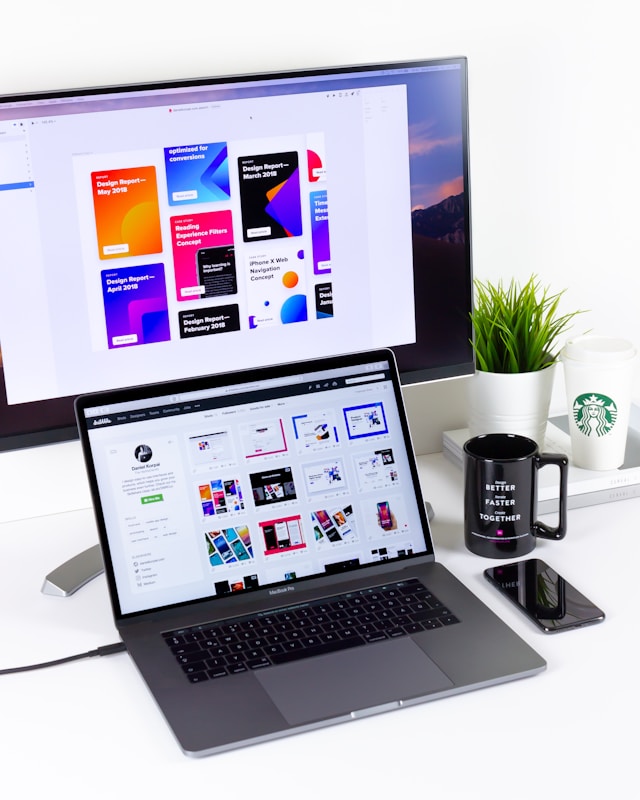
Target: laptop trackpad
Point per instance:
(352, 680)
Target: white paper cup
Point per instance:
(598, 374)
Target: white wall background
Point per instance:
(554, 133)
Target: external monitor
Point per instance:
(181, 228)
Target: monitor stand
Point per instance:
(74, 573)
(78, 570)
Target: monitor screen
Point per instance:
(175, 229)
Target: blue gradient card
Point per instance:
(197, 173)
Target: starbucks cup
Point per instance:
(598, 373)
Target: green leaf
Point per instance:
(516, 328)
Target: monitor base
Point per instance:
(74, 573)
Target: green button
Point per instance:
(151, 498)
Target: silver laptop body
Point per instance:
(238, 510)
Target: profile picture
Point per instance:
(143, 453)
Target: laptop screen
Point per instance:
(234, 483)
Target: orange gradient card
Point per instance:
(127, 212)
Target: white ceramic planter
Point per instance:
(511, 403)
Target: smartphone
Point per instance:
(549, 600)
(223, 548)
(239, 549)
(324, 519)
(217, 271)
(384, 515)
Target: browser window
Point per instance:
(177, 229)
(209, 494)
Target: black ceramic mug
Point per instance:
(501, 495)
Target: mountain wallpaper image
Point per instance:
(444, 221)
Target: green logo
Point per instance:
(594, 414)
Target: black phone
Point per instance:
(549, 600)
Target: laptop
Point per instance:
(268, 553)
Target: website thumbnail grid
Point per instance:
(254, 492)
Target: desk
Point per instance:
(90, 729)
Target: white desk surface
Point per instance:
(90, 729)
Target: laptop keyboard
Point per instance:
(211, 651)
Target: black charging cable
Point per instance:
(106, 650)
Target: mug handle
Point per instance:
(561, 461)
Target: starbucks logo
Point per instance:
(594, 414)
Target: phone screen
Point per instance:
(384, 515)
(545, 597)
(217, 271)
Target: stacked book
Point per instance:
(586, 487)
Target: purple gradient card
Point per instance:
(135, 305)
(319, 209)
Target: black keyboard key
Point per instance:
(192, 669)
(217, 672)
(413, 627)
(330, 636)
(198, 677)
(320, 649)
(191, 658)
(183, 649)
(259, 663)
(376, 636)
(433, 613)
(219, 650)
(217, 663)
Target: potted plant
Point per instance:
(515, 341)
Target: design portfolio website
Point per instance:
(205, 228)
(212, 493)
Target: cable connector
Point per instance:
(109, 649)
(105, 650)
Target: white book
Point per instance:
(585, 487)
